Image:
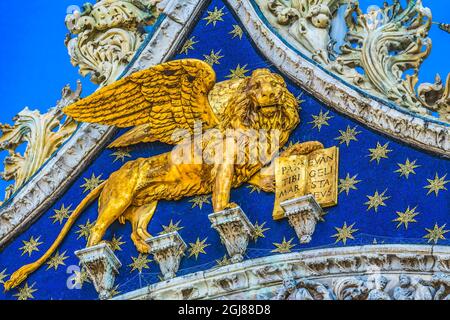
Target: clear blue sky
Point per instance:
(34, 64)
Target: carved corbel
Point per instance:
(303, 214)
(167, 250)
(235, 231)
(102, 266)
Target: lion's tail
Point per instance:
(20, 275)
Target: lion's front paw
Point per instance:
(267, 184)
(140, 244)
(231, 205)
(303, 148)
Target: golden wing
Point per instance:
(159, 100)
(221, 94)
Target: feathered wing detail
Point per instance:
(159, 100)
(139, 134)
(222, 93)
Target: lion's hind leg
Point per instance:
(116, 197)
(140, 217)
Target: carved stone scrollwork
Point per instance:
(303, 214)
(104, 37)
(65, 166)
(436, 97)
(304, 290)
(309, 23)
(441, 283)
(381, 45)
(43, 135)
(349, 273)
(102, 266)
(379, 49)
(235, 231)
(167, 250)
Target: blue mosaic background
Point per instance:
(370, 226)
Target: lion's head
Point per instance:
(262, 101)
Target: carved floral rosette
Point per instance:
(104, 37)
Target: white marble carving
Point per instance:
(167, 250)
(378, 50)
(235, 231)
(412, 288)
(348, 273)
(436, 96)
(102, 266)
(304, 289)
(105, 36)
(43, 134)
(308, 22)
(303, 214)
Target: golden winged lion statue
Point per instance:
(167, 103)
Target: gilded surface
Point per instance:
(315, 173)
(215, 152)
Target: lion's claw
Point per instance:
(231, 205)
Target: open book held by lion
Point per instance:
(174, 97)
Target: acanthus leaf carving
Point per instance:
(104, 37)
(43, 134)
(380, 51)
(380, 43)
(436, 96)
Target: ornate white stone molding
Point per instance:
(52, 180)
(105, 36)
(235, 231)
(43, 134)
(102, 266)
(303, 214)
(167, 250)
(424, 133)
(382, 50)
(363, 272)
